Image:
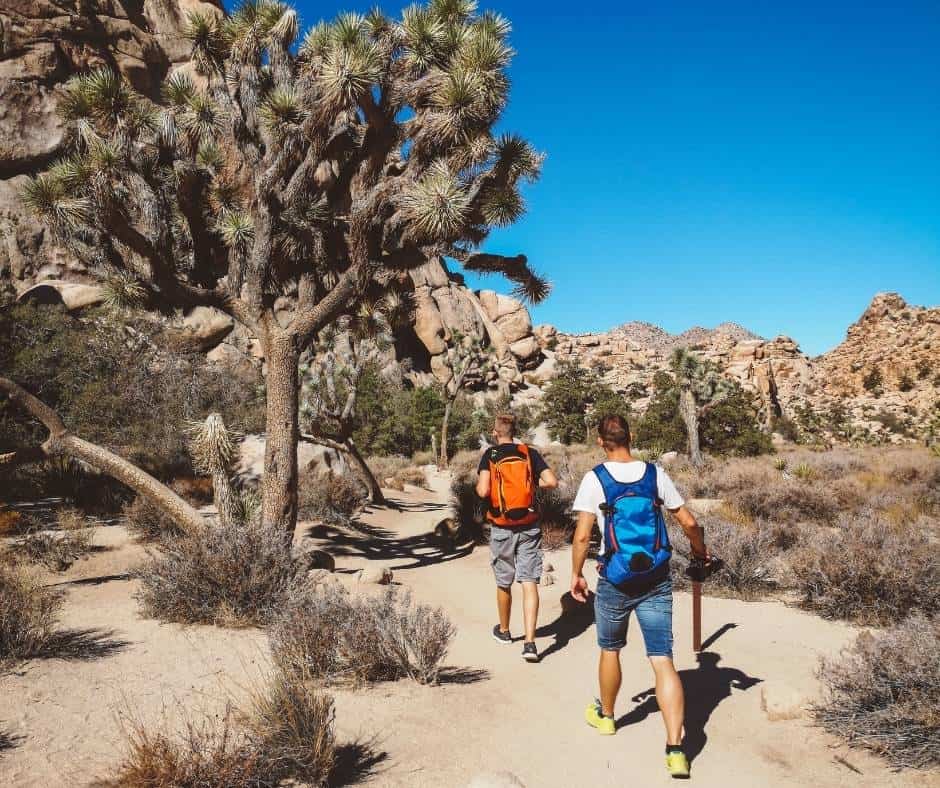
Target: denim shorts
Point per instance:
(653, 606)
(516, 554)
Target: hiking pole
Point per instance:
(698, 571)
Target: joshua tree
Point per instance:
(330, 383)
(701, 386)
(465, 359)
(287, 181)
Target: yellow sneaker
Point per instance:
(605, 725)
(677, 765)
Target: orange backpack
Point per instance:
(512, 488)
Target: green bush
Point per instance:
(576, 397)
(873, 381)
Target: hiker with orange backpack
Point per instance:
(507, 477)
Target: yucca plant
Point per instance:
(307, 175)
(701, 386)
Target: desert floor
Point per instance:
(492, 712)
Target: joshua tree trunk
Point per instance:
(279, 483)
(375, 490)
(62, 443)
(444, 461)
(688, 410)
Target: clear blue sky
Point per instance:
(774, 164)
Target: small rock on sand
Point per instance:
(380, 575)
(780, 701)
(548, 579)
(496, 780)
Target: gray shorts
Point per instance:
(516, 554)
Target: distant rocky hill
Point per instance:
(884, 379)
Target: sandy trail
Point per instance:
(492, 712)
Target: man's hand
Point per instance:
(579, 588)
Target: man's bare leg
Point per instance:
(609, 677)
(670, 697)
(504, 606)
(530, 607)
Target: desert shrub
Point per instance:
(905, 383)
(748, 552)
(147, 522)
(469, 510)
(396, 471)
(329, 498)
(28, 614)
(57, 549)
(325, 633)
(868, 570)
(284, 735)
(804, 471)
(883, 693)
(872, 381)
(231, 575)
(785, 500)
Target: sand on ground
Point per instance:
(492, 711)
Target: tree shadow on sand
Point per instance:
(453, 675)
(355, 762)
(81, 645)
(705, 688)
(361, 540)
(8, 741)
(573, 621)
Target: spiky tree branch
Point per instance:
(701, 387)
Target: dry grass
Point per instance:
(56, 550)
(326, 634)
(329, 498)
(236, 575)
(869, 570)
(749, 552)
(883, 693)
(395, 471)
(284, 736)
(28, 614)
(148, 523)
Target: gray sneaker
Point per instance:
(501, 637)
(530, 653)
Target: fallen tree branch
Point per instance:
(62, 443)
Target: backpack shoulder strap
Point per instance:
(609, 484)
(650, 483)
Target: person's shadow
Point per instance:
(705, 687)
(575, 619)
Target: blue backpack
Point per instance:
(635, 538)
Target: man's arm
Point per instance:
(548, 480)
(483, 484)
(579, 550)
(693, 531)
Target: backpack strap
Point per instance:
(649, 485)
(609, 485)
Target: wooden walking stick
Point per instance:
(697, 571)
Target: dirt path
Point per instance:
(492, 712)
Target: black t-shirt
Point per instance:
(537, 460)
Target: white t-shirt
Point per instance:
(591, 495)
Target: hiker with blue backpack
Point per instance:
(626, 497)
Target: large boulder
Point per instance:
(72, 295)
(310, 457)
(205, 327)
